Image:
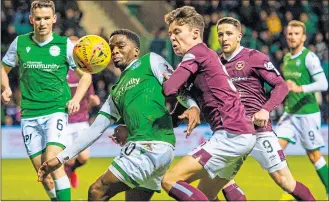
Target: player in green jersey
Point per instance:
(44, 58)
(304, 75)
(138, 101)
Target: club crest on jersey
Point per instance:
(297, 62)
(136, 64)
(54, 50)
(239, 65)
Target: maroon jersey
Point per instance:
(82, 115)
(202, 73)
(249, 70)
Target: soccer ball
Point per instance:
(92, 54)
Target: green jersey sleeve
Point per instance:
(10, 59)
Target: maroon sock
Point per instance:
(234, 193)
(182, 191)
(302, 193)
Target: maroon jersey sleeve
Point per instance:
(185, 69)
(266, 70)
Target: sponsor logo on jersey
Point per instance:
(41, 66)
(54, 50)
(239, 65)
(293, 74)
(28, 49)
(239, 79)
(129, 85)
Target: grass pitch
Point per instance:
(19, 181)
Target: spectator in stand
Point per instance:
(274, 24)
(158, 44)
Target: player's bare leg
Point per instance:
(176, 181)
(73, 164)
(105, 187)
(139, 195)
(284, 179)
(321, 167)
(48, 182)
(62, 182)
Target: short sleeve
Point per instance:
(159, 66)
(69, 54)
(313, 64)
(10, 58)
(109, 110)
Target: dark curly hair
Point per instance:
(132, 36)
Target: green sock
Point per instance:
(63, 189)
(322, 170)
(64, 194)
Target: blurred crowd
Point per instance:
(264, 25)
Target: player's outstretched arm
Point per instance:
(85, 80)
(6, 91)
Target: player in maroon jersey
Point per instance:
(206, 79)
(79, 121)
(249, 70)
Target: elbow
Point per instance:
(87, 78)
(169, 91)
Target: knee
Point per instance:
(83, 159)
(94, 192)
(167, 182)
(48, 182)
(314, 156)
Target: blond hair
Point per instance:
(42, 4)
(186, 15)
(296, 23)
(229, 20)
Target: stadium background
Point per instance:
(264, 25)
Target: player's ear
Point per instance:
(304, 37)
(136, 52)
(196, 34)
(239, 37)
(31, 19)
(55, 19)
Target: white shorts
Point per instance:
(224, 153)
(268, 152)
(305, 127)
(143, 164)
(41, 131)
(74, 128)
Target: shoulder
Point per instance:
(61, 39)
(200, 50)
(255, 54)
(311, 56)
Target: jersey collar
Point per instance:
(42, 43)
(234, 54)
(297, 54)
(132, 62)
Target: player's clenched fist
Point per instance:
(5, 95)
(261, 118)
(73, 106)
(48, 167)
(120, 135)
